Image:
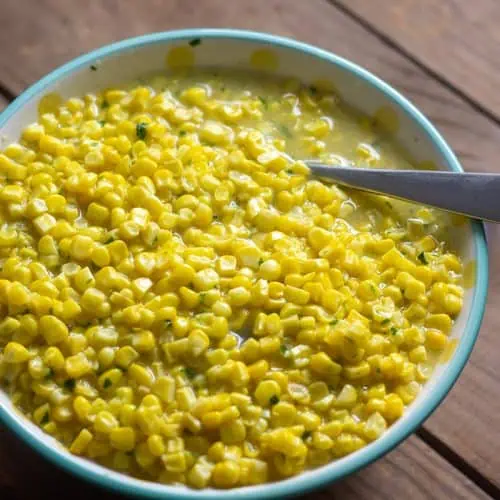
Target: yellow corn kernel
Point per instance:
(268, 393)
(54, 358)
(53, 329)
(122, 438)
(141, 375)
(78, 365)
(15, 353)
(322, 364)
(125, 356)
(435, 340)
(82, 407)
(81, 442)
(156, 445)
(226, 474)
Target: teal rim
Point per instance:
(335, 470)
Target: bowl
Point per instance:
(128, 59)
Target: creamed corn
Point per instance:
(181, 303)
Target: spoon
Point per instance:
(473, 195)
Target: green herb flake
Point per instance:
(93, 67)
(104, 104)
(284, 130)
(274, 400)
(141, 131)
(385, 321)
(195, 42)
(109, 240)
(261, 261)
(284, 349)
(289, 171)
(182, 133)
(45, 419)
(306, 435)
(202, 297)
(422, 258)
(107, 383)
(102, 123)
(168, 323)
(69, 384)
(189, 372)
(394, 330)
(264, 102)
(333, 322)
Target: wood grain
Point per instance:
(465, 422)
(457, 39)
(3, 102)
(413, 470)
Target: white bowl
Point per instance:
(129, 59)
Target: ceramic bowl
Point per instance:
(128, 60)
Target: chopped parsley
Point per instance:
(283, 349)
(109, 240)
(385, 321)
(394, 330)
(333, 322)
(422, 258)
(104, 104)
(189, 372)
(102, 123)
(195, 42)
(264, 102)
(274, 400)
(141, 131)
(45, 419)
(306, 435)
(182, 133)
(69, 384)
(261, 261)
(168, 323)
(202, 297)
(289, 171)
(284, 130)
(93, 67)
(107, 383)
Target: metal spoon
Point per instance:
(473, 195)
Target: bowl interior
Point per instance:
(131, 59)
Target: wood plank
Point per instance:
(3, 102)
(413, 470)
(31, 47)
(457, 39)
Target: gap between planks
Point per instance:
(343, 6)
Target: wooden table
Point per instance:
(445, 57)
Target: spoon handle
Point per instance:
(474, 195)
